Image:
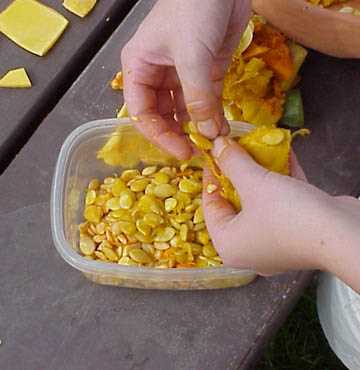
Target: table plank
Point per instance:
(22, 110)
(51, 317)
(331, 155)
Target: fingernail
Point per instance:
(220, 145)
(209, 128)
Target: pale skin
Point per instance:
(285, 223)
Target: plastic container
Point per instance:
(339, 313)
(338, 308)
(76, 166)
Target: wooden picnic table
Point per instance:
(51, 317)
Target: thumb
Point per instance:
(296, 169)
(217, 210)
(202, 103)
(239, 167)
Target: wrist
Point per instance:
(342, 257)
(309, 232)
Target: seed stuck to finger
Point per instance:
(211, 188)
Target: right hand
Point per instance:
(285, 223)
(176, 62)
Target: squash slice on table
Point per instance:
(32, 25)
(79, 7)
(16, 78)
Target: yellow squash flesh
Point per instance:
(127, 148)
(273, 155)
(32, 25)
(16, 78)
(79, 7)
(268, 146)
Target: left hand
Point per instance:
(176, 62)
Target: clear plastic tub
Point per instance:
(76, 166)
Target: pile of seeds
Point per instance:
(150, 218)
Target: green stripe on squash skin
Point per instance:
(293, 110)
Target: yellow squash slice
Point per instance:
(270, 147)
(123, 112)
(246, 38)
(32, 25)
(128, 148)
(16, 78)
(79, 7)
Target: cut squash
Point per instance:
(16, 78)
(264, 146)
(79, 7)
(32, 25)
(257, 78)
(246, 38)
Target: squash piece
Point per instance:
(299, 55)
(255, 51)
(16, 78)
(294, 111)
(246, 38)
(32, 25)
(256, 80)
(278, 58)
(79, 7)
(262, 112)
(128, 148)
(268, 146)
(264, 146)
(123, 112)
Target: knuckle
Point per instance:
(127, 52)
(229, 158)
(203, 108)
(190, 58)
(124, 53)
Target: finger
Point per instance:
(239, 19)
(225, 130)
(218, 78)
(165, 103)
(166, 110)
(217, 210)
(194, 71)
(143, 104)
(238, 166)
(156, 128)
(296, 170)
(225, 127)
(182, 114)
(149, 73)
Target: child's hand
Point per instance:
(176, 62)
(285, 223)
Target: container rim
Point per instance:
(77, 261)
